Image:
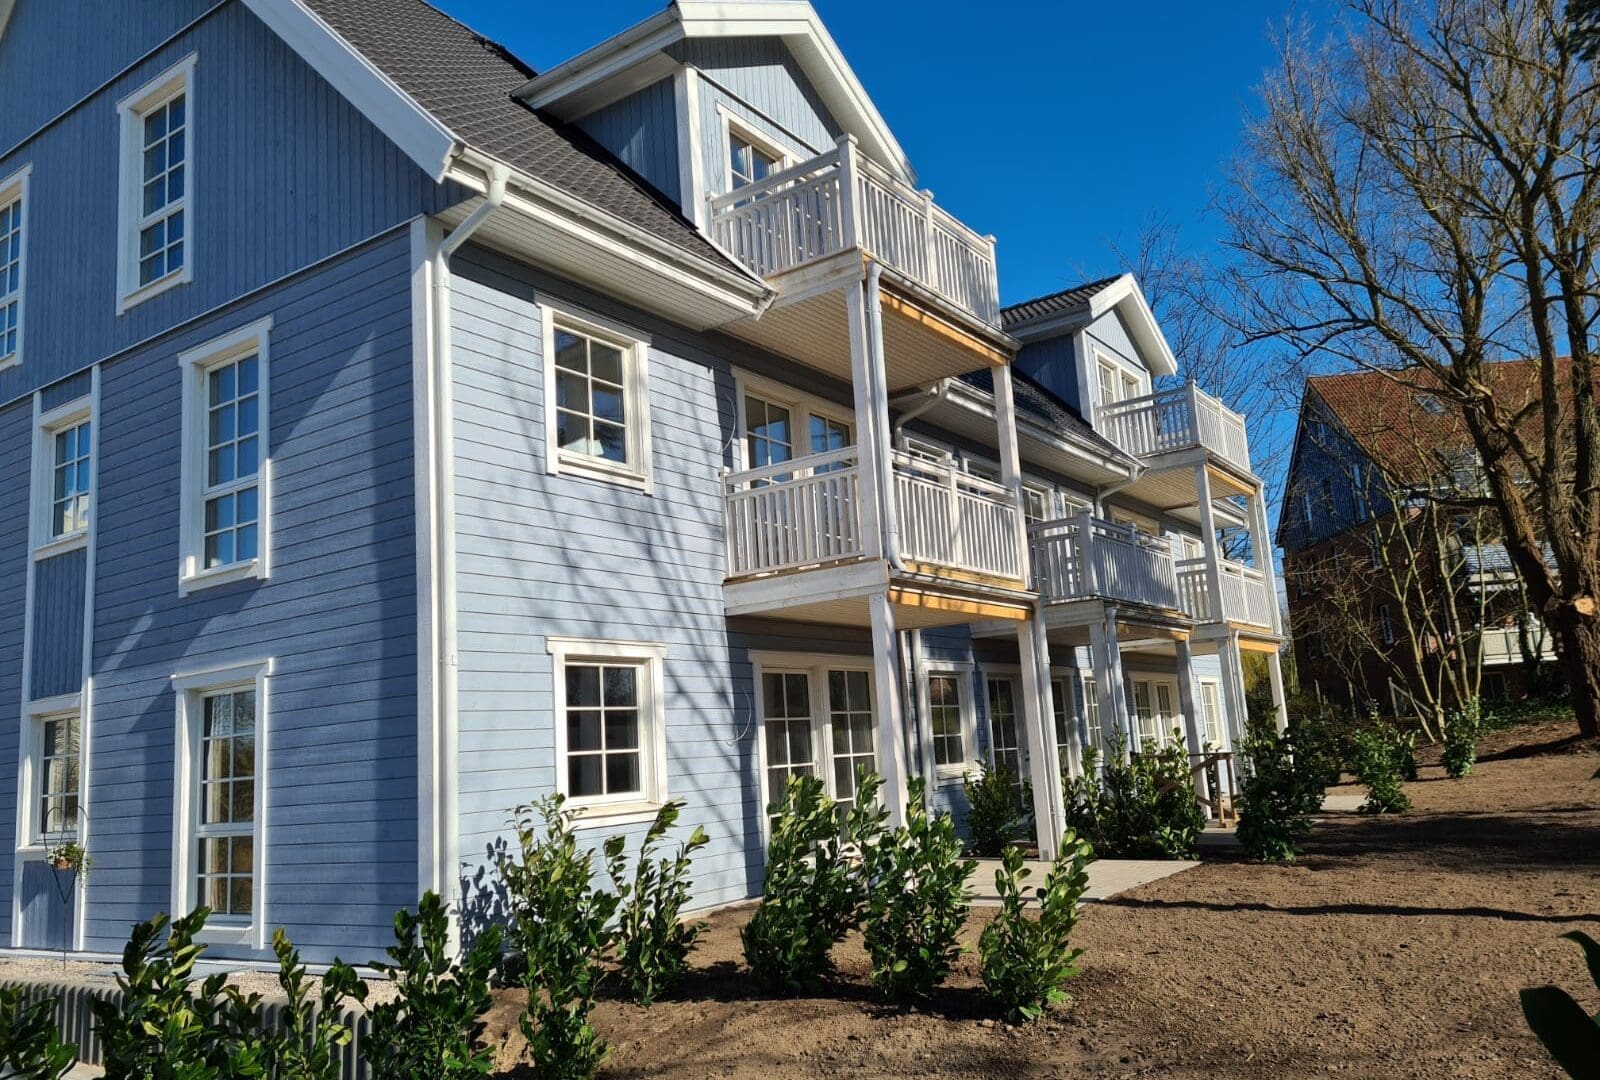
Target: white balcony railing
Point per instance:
(954, 519)
(1083, 556)
(1244, 594)
(807, 512)
(1503, 644)
(1178, 419)
(843, 200)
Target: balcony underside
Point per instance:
(839, 595)
(1067, 623)
(924, 338)
(1169, 484)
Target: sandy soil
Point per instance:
(1394, 948)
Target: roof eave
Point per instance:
(965, 395)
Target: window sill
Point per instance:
(597, 815)
(947, 775)
(591, 469)
(226, 934)
(222, 575)
(61, 545)
(11, 361)
(154, 289)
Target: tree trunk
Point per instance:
(1578, 643)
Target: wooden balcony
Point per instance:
(806, 514)
(1245, 598)
(1503, 644)
(843, 201)
(1083, 557)
(1171, 421)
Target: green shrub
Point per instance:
(1379, 763)
(918, 902)
(652, 940)
(1570, 1034)
(1280, 792)
(1027, 961)
(815, 892)
(1463, 727)
(1142, 806)
(431, 1028)
(1322, 737)
(993, 815)
(1405, 750)
(307, 1048)
(162, 1028)
(560, 922)
(30, 1046)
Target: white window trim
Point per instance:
(1200, 708)
(46, 427)
(1103, 359)
(1151, 681)
(178, 79)
(963, 674)
(800, 404)
(635, 473)
(29, 839)
(188, 688)
(12, 188)
(1011, 673)
(651, 656)
(195, 364)
(731, 123)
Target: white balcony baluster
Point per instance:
(1178, 419)
(1082, 556)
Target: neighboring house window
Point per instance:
(610, 723)
(1375, 547)
(155, 241)
(57, 762)
(1360, 492)
(947, 718)
(221, 806)
(223, 517)
(13, 201)
(597, 404)
(1385, 625)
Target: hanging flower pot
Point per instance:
(68, 856)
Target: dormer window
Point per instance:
(747, 162)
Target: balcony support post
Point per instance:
(1261, 553)
(1044, 768)
(1280, 701)
(1189, 706)
(891, 755)
(849, 193)
(871, 436)
(1005, 409)
(1105, 653)
(1208, 534)
(1233, 687)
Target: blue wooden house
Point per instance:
(392, 434)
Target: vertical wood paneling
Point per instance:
(16, 450)
(46, 912)
(642, 130)
(57, 658)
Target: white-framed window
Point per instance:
(786, 719)
(1036, 504)
(1385, 624)
(1005, 726)
(64, 477)
(1091, 715)
(751, 155)
(223, 516)
(1062, 710)
(816, 718)
(951, 721)
(610, 721)
(1156, 717)
(14, 201)
(220, 803)
(1211, 730)
(155, 233)
(779, 423)
(52, 750)
(853, 734)
(1117, 382)
(597, 414)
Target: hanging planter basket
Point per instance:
(67, 857)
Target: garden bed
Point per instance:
(1394, 948)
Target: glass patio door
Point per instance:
(851, 729)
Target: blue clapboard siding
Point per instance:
(48, 900)
(337, 616)
(53, 55)
(16, 450)
(759, 81)
(642, 130)
(57, 660)
(285, 172)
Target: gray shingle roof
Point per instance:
(466, 81)
(1055, 303)
(1045, 409)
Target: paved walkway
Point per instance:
(1344, 804)
(1107, 877)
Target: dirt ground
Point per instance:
(1393, 948)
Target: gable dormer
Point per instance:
(707, 96)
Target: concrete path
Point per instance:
(1343, 804)
(1107, 877)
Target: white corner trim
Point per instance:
(426, 234)
(691, 180)
(423, 138)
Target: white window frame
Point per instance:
(46, 428)
(196, 364)
(1215, 686)
(15, 188)
(1123, 372)
(635, 347)
(179, 79)
(1012, 674)
(32, 839)
(1151, 684)
(190, 689)
(801, 405)
(962, 673)
(1046, 497)
(731, 123)
(650, 657)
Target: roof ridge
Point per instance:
(1096, 284)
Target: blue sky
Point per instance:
(1062, 127)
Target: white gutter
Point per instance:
(933, 394)
(878, 393)
(449, 727)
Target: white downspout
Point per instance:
(879, 393)
(447, 813)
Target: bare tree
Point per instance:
(1419, 195)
